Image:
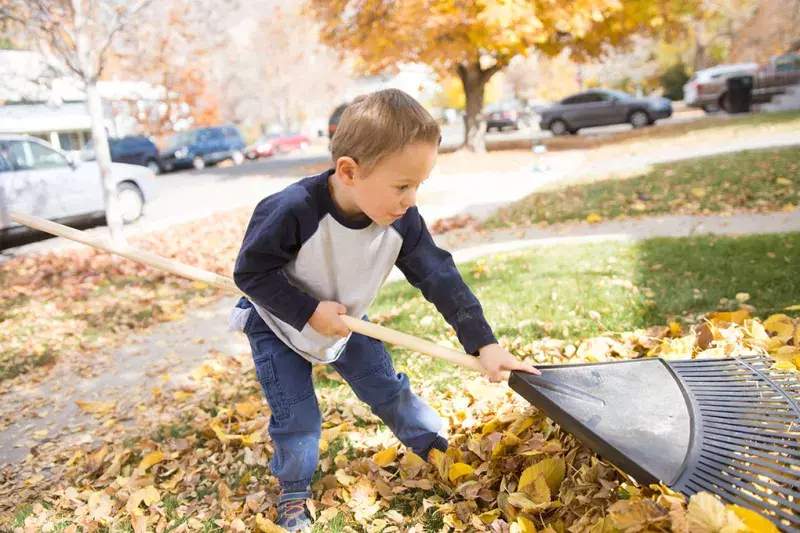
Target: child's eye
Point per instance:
(402, 187)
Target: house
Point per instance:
(38, 100)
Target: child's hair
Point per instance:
(380, 124)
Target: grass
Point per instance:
(551, 291)
(758, 180)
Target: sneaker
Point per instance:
(292, 511)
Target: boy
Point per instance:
(321, 248)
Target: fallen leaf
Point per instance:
(458, 470)
(386, 457)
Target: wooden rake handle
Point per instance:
(375, 331)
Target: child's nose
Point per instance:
(410, 199)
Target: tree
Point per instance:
(475, 40)
(174, 52)
(773, 28)
(275, 70)
(77, 35)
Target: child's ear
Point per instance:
(347, 170)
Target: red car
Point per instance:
(277, 143)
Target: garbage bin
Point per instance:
(739, 95)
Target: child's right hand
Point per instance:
(326, 319)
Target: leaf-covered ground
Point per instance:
(68, 304)
(753, 181)
(195, 458)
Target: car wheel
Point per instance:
(710, 108)
(559, 127)
(130, 201)
(238, 157)
(639, 119)
(198, 163)
(153, 166)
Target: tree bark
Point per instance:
(474, 79)
(103, 156)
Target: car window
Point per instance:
(787, 63)
(13, 154)
(576, 99)
(4, 166)
(43, 157)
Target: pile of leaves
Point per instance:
(508, 469)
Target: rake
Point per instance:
(727, 426)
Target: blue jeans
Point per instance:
(295, 424)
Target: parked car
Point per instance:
(276, 143)
(37, 179)
(602, 107)
(134, 150)
(696, 91)
(203, 146)
(333, 122)
(769, 80)
(507, 114)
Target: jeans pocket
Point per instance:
(265, 371)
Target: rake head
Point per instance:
(727, 426)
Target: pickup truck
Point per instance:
(769, 80)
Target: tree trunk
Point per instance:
(103, 156)
(474, 79)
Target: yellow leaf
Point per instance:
(754, 522)
(33, 480)
(95, 407)
(593, 218)
(786, 353)
(247, 410)
(199, 285)
(637, 515)
(458, 470)
(148, 495)
(520, 500)
(151, 459)
(734, 317)
(788, 208)
(323, 446)
(521, 424)
(553, 470)
(779, 325)
(489, 427)
(784, 366)
(525, 525)
(265, 525)
(412, 461)
(706, 514)
(538, 491)
(181, 395)
(489, 516)
(783, 181)
(385, 457)
(698, 192)
(792, 308)
(509, 439)
(675, 329)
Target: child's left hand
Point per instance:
(496, 360)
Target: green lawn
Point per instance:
(550, 291)
(758, 180)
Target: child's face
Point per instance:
(390, 189)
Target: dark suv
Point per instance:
(134, 150)
(203, 146)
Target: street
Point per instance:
(191, 194)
